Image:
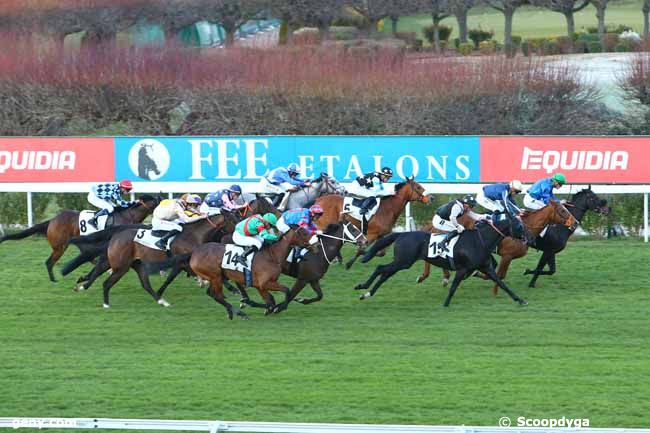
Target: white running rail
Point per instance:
(276, 427)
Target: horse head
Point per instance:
(412, 190)
(354, 234)
(588, 200)
(561, 215)
(149, 202)
(299, 236)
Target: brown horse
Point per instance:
(267, 267)
(510, 249)
(124, 253)
(65, 226)
(383, 221)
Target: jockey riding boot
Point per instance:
(162, 242)
(277, 199)
(449, 236)
(242, 259)
(94, 220)
(283, 203)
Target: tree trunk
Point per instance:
(284, 32)
(229, 42)
(436, 32)
(462, 26)
(570, 26)
(393, 22)
(600, 14)
(508, 13)
(324, 32)
(646, 22)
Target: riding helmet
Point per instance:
(316, 210)
(270, 218)
(516, 185)
(293, 168)
(386, 171)
(126, 184)
(559, 178)
(469, 200)
(235, 188)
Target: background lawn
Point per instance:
(531, 21)
(580, 349)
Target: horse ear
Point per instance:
(589, 187)
(412, 177)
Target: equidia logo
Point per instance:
(37, 160)
(551, 160)
(149, 159)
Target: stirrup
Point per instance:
(161, 243)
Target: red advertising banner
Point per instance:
(581, 159)
(56, 159)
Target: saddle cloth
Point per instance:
(436, 251)
(352, 207)
(301, 254)
(230, 256)
(148, 238)
(85, 228)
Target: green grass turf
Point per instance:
(580, 349)
(531, 21)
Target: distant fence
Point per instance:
(277, 427)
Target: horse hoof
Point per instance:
(531, 285)
(419, 279)
(366, 295)
(523, 302)
(528, 272)
(244, 316)
(79, 288)
(299, 300)
(445, 282)
(243, 305)
(106, 306)
(359, 287)
(164, 303)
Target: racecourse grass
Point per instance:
(531, 22)
(579, 350)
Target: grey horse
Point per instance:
(322, 185)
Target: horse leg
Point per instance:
(364, 286)
(177, 269)
(460, 275)
(297, 287)
(501, 272)
(138, 267)
(49, 263)
(270, 301)
(83, 283)
(425, 273)
(538, 270)
(110, 282)
(386, 272)
(215, 291)
(231, 288)
(490, 271)
(359, 253)
(246, 300)
(319, 294)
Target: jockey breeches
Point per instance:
(247, 241)
(100, 202)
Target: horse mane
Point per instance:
(144, 197)
(332, 227)
(400, 185)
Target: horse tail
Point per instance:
(177, 261)
(88, 253)
(38, 228)
(379, 245)
(104, 235)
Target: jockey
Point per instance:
(225, 199)
(107, 196)
(170, 214)
(304, 218)
(369, 186)
(495, 197)
(541, 193)
(252, 232)
(446, 217)
(282, 180)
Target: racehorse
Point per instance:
(383, 221)
(305, 196)
(556, 236)
(314, 264)
(124, 253)
(472, 252)
(510, 249)
(65, 226)
(255, 206)
(266, 268)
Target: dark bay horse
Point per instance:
(556, 237)
(206, 260)
(510, 249)
(313, 266)
(383, 221)
(124, 253)
(472, 252)
(65, 226)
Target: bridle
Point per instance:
(347, 237)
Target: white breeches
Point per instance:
(357, 190)
(275, 189)
(247, 241)
(99, 202)
(532, 203)
(160, 224)
(282, 226)
(442, 225)
(488, 203)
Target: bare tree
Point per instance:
(600, 6)
(372, 10)
(439, 10)
(460, 8)
(507, 8)
(567, 8)
(646, 17)
(399, 8)
(317, 13)
(174, 15)
(231, 14)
